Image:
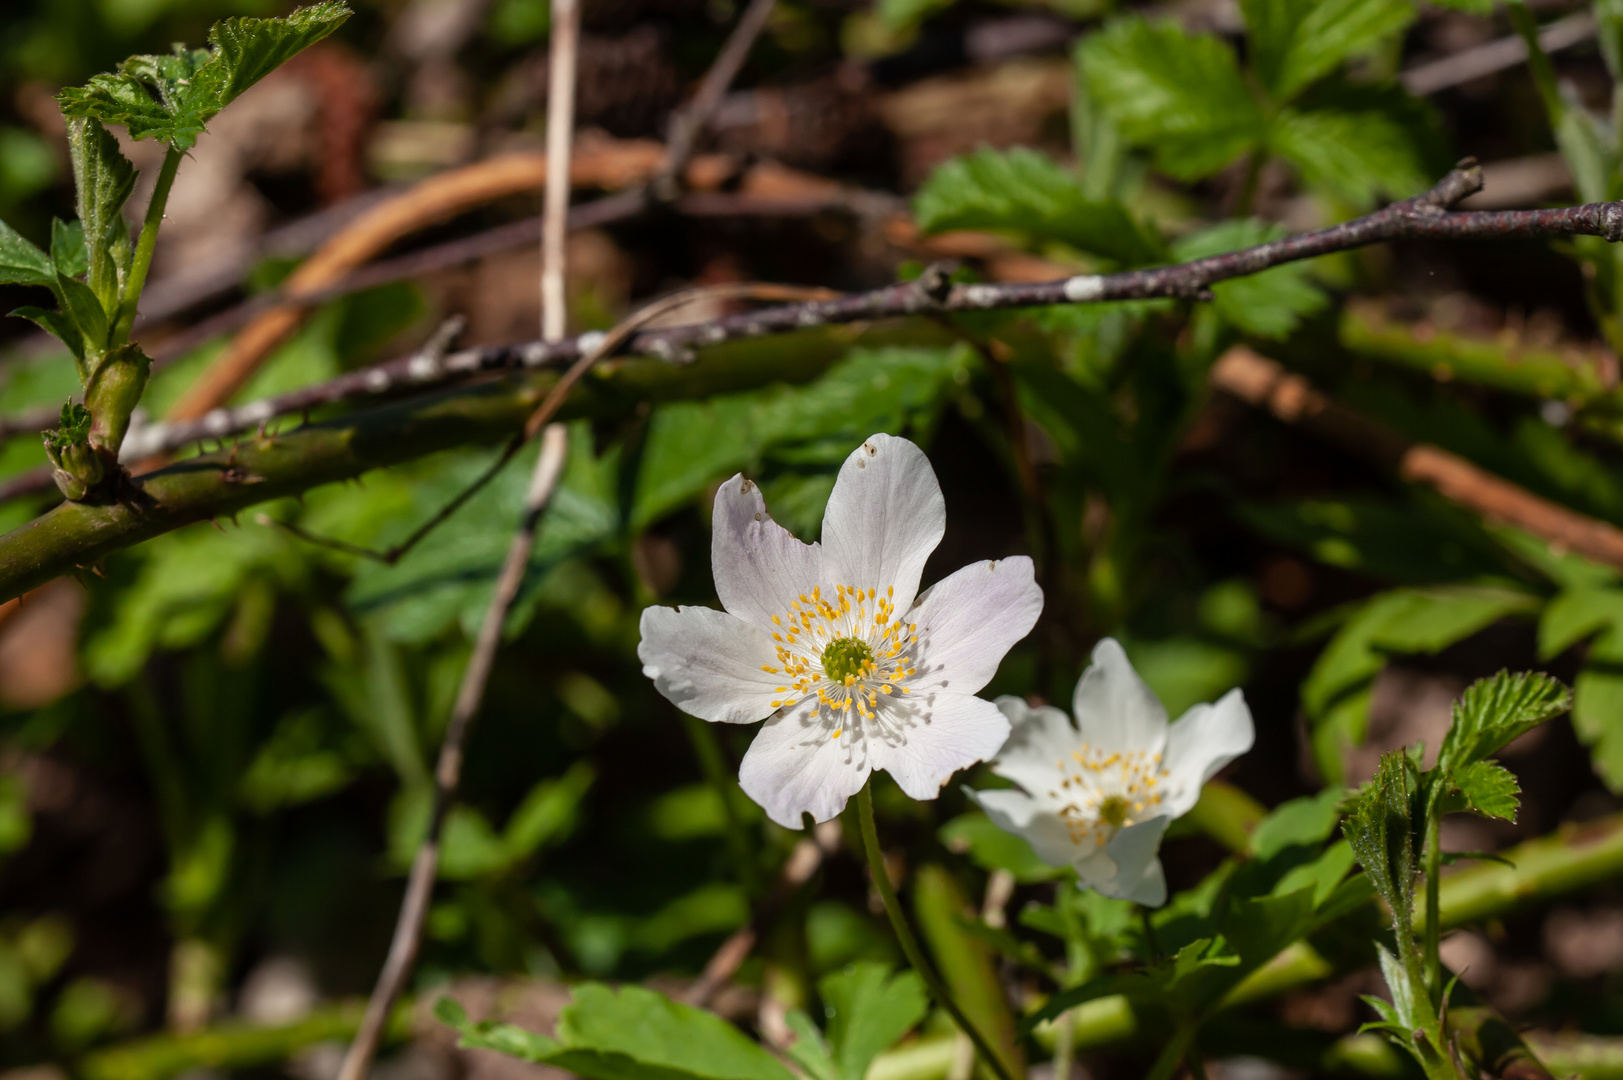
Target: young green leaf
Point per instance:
(809, 1051)
(103, 178)
(659, 1033)
(1355, 153)
(73, 426)
(171, 98)
(1270, 304)
(1486, 788)
(21, 263)
(1575, 614)
(1025, 191)
(1494, 711)
(506, 1039)
(869, 1009)
(1296, 42)
(1598, 702)
(1180, 94)
(1380, 828)
(68, 248)
(82, 306)
(57, 325)
(1336, 693)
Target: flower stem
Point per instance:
(1150, 944)
(143, 249)
(910, 944)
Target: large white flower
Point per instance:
(1099, 796)
(832, 642)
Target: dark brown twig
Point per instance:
(1423, 216)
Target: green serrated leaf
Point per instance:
(1354, 145)
(1179, 94)
(171, 98)
(656, 1032)
(82, 306)
(1380, 830)
(1307, 821)
(56, 324)
(1487, 788)
(809, 1051)
(1495, 710)
(103, 178)
(1335, 694)
(1598, 703)
(1024, 191)
(1296, 42)
(21, 263)
(1574, 615)
(1270, 304)
(68, 248)
(869, 1009)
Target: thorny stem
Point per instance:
(1433, 931)
(1422, 216)
(144, 247)
(909, 943)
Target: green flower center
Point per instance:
(845, 657)
(1113, 810)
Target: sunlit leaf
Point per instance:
(1179, 94)
(1023, 191)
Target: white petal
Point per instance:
(884, 518)
(1128, 868)
(1041, 739)
(969, 620)
(939, 734)
(795, 767)
(760, 567)
(1204, 739)
(1018, 813)
(708, 663)
(1114, 708)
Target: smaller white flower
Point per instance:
(1099, 796)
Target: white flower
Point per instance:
(1100, 795)
(856, 671)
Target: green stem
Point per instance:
(1434, 924)
(1171, 1055)
(905, 938)
(1150, 943)
(143, 249)
(720, 779)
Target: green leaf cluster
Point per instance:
(92, 269)
(172, 98)
(1392, 827)
(638, 1034)
(1336, 693)
(1186, 97)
